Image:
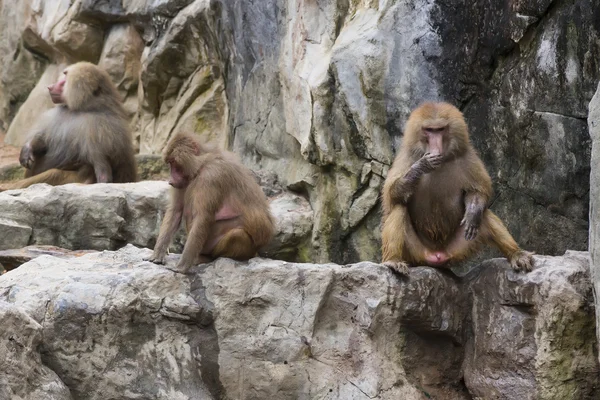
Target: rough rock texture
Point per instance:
(116, 327)
(112, 326)
(594, 125)
(24, 376)
(318, 93)
(533, 336)
(107, 216)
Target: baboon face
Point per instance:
(57, 90)
(177, 177)
(437, 129)
(180, 155)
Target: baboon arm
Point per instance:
(479, 180)
(35, 148)
(404, 186)
(168, 227)
(195, 241)
(38, 144)
(475, 206)
(205, 204)
(477, 197)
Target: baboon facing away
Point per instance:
(226, 213)
(85, 138)
(436, 195)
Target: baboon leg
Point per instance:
(460, 248)
(491, 231)
(401, 244)
(52, 177)
(236, 244)
(520, 260)
(392, 238)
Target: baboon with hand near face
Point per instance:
(436, 195)
(226, 213)
(85, 138)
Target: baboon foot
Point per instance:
(399, 267)
(522, 261)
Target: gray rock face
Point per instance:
(107, 216)
(533, 335)
(594, 125)
(318, 93)
(113, 326)
(24, 376)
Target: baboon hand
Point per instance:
(471, 222)
(26, 158)
(429, 162)
(156, 258)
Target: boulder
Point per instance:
(24, 375)
(115, 326)
(533, 335)
(111, 325)
(108, 216)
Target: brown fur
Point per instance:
(225, 211)
(85, 138)
(428, 209)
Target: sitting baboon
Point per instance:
(225, 211)
(85, 138)
(436, 195)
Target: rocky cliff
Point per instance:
(108, 325)
(318, 93)
(313, 97)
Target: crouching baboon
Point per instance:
(436, 195)
(85, 138)
(225, 211)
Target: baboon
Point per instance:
(85, 138)
(225, 211)
(436, 195)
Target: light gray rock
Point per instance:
(121, 58)
(114, 326)
(24, 376)
(533, 335)
(107, 216)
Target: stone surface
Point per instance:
(37, 102)
(114, 326)
(151, 167)
(111, 325)
(11, 259)
(594, 126)
(318, 93)
(533, 335)
(24, 376)
(107, 216)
